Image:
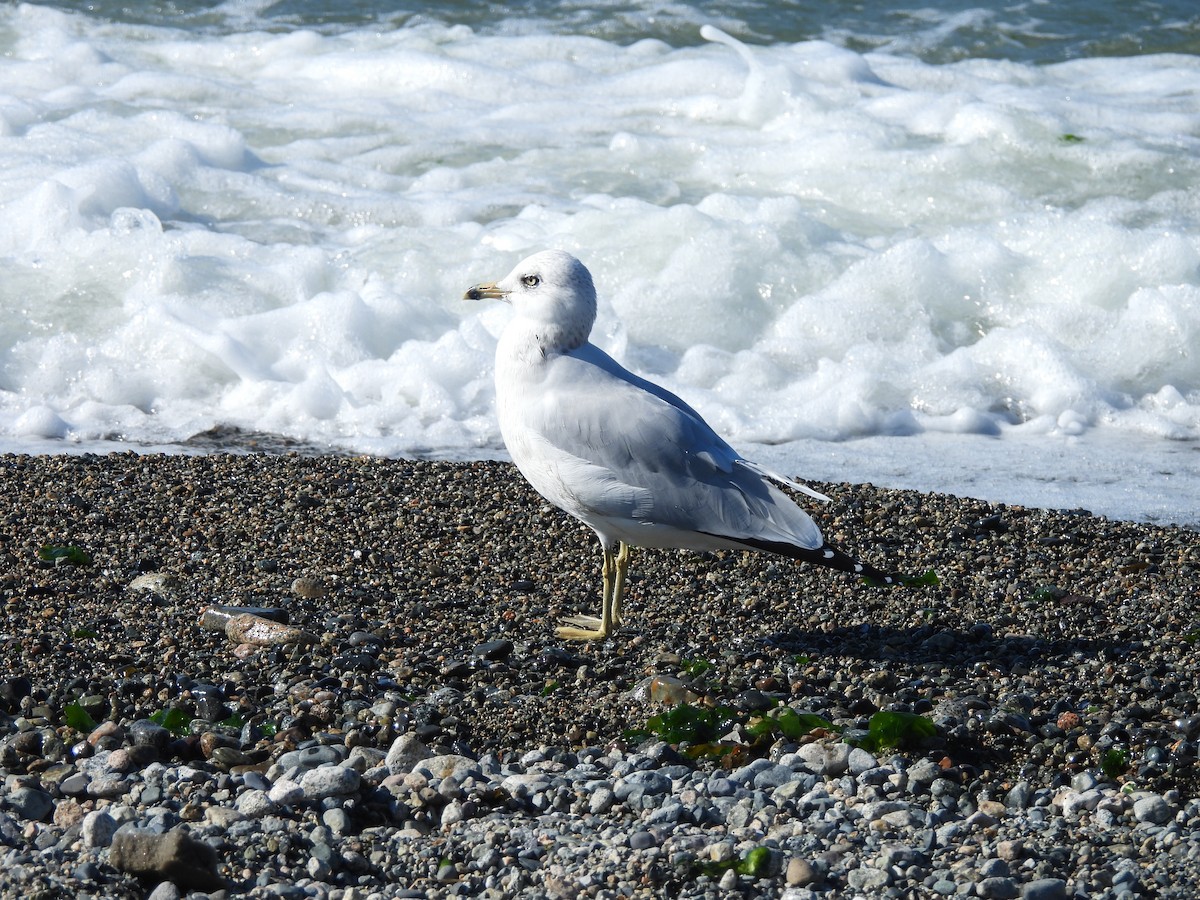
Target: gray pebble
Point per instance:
(337, 820)
(642, 840)
(405, 754)
(318, 869)
(145, 733)
(30, 803)
(601, 801)
(859, 761)
(994, 868)
(923, 773)
(88, 871)
(1019, 796)
(165, 890)
(720, 786)
(824, 758)
(1044, 889)
(452, 813)
(772, 777)
(329, 781)
(447, 765)
(867, 878)
(649, 781)
(1152, 808)
(998, 888)
(311, 758)
(668, 813)
(1083, 781)
(525, 784)
(255, 780)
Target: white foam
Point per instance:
(273, 231)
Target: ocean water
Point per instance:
(940, 246)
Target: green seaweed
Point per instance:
(64, 555)
(175, 720)
(688, 723)
(77, 717)
(789, 723)
(896, 729)
(1114, 763)
(1048, 593)
(755, 863)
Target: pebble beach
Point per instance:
(398, 719)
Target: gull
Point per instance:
(623, 455)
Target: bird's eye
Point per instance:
(531, 280)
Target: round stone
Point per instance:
(31, 804)
(329, 781)
(97, 829)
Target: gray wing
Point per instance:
(629, 448)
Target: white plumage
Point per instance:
(623, 455)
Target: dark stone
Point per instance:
(558, 658)
(354, 662)
(494, 649)
(13, 690)
(456, 668)
(210, 702)
(88, 871)
(145, 733)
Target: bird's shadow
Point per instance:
(948, 647)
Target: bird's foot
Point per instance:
(582, 628)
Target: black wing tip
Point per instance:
(838, 559)
(831, 556)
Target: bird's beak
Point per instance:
(486, 291)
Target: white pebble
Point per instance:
(97, 829)
(286, 792)
(255, 804)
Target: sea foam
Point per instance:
(273, 231)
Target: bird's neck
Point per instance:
(529, 341)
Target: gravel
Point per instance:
(392, 715)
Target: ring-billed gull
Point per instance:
(623, 455)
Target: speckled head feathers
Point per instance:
(554, 291)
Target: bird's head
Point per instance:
(551, 289)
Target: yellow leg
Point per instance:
(618, 592)
(589, 628)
